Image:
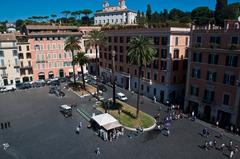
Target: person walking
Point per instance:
(168, 132)
(231, 154)
(77, 130)
(80, 124)
(222, 147)
(98, 151)
(217, 123)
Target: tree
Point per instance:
(86, 12)
(72, 44)
(175, 14)
(164, 16)
(149, 13)
(221, 12)
(86, 19)
(202, 16)
(53, 16)
(65, 13)
(138, 17)
(141, 52)
(233, 11)
(96, 40)
(81, 59)
(74, 14)
(155, 18)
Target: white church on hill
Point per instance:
(120, 14)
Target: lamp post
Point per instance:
(113, 80)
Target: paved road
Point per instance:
(39, 131)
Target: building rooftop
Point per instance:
(9, 37)
(50, 27)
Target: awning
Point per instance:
(104, 119)
(112, 126)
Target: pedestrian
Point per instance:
(214, 143)
(80, 124)
(98, 151)
(217, 123)
(231, 128)
(231, 154)
(77, 130)
(222, 146)
(230, 143)
(210, 143)
(154, 99)
(206, 145)
(9, 124)
(168, 132)
(237, 131)
(204, 132)
(221, 135)
(5, 124)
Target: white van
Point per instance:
(121, 96)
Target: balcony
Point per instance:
(17, 66)
(3, 67)
(4, 75)
(25, 67)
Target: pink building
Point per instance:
(47, 44)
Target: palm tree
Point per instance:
(96, 40)
(141, 52)
(53, 16)
(82, 59)
(72, 44)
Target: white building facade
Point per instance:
(9, 62)
(115, 15)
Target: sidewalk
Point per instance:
(214, 128)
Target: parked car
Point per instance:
(121, 96)
(25, 85)
(3, 89)
(40, 83)
(66, 110)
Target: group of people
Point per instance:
(210, 144)
(115, 134)
(173, 114)
(5, 125)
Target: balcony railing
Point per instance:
(4, 75)
(3, 67)
(149, 81)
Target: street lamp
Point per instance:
(113, 80)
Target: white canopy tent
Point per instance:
(106, 121)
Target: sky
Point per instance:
(12, 10)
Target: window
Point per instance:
(135, 72)
(194, 91)
(16, 62)
(157, 53)
(197, 57)
(142, 87)
(212, 59)
(215, 40)
(163, 65)
(211, 76)
(234, 40)
(1, 54)
(148, 75)
(176, 54)
(175, 65)
(28, 48)
(176, 41)
(156, 40)
(148, 89)
(115, 39)
(135, 84)
(20, 48)
(128, 39)
(231, 61)
(226, 99)
(155, 64)
(109, 39)
(162, 79)
(154, 91)
(29, 63)
(229, 79)
(121, 58)
(186, 41)
(15, 53)
(164, 53)
(155, 77)
(121, 39)
(29, 56)
(121, 49)
(208, 95)
(21, 64)
(196, 73)
(164, 40)
(199, 39)
(2, 62)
